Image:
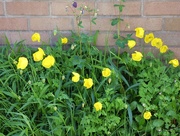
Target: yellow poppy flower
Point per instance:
(22, 63)
(64, 40)
(38, 56)
(98, 106)
(131, 43)
(48, 61)
(139, 32)
(149, 37)
(88, 83)
(137, 56)
(174, 62)
(76, 77)
(147, 115)
(106, 72)
(36, 37)
(163, 49)
(157, 42)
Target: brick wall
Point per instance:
(20, 18)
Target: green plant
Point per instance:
(82, 90)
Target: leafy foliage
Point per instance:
(39, 101)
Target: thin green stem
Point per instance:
(125, 115)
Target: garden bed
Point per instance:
(85, 91)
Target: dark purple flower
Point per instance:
(74, 4)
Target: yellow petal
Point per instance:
(36, 37)
(106, 72)
(163, 49)
(137, 56)
(48, 61)
(88, 83)
(149, 37)
(139, 32)
(147, 115)
(76, 77)
(98, 106)
(131, 43)
(22, 63)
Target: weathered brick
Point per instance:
(65, 8)
(50, 23)
(162, 8)
(27, 8)
(1, 9)
(13, 24)
(131, 8)
(172, 24)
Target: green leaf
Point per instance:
(116, 5)
(80, 24)
(93, 20)
(1, 134)
(120, 43)
(140, 108)
(124, 79)
(115, 21)
(115, 36)
(95, 37)
(171, 113)
(121, 8)
(130, 115)
(140, 120)
(158, 123)
(133, 105)
(133, 86)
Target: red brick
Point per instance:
(27, 8)
(153, 24)
(50, 23)
(2, 38)
(131, 8)
(172, 24)
(105, 39)
(19, 36)
(13, 24)
(65, 8)
(1, 8)
(104, 24)
(162, 8)
(169, 38)
(59, 8)
(176, 51)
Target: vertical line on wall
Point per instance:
(50, 15)
(4, 8)
(163, 24)
(142, 8)
(50, 8)
(6, 32)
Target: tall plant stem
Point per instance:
(118, 29)
(125, 114)
(78, 32)
(119, 24)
